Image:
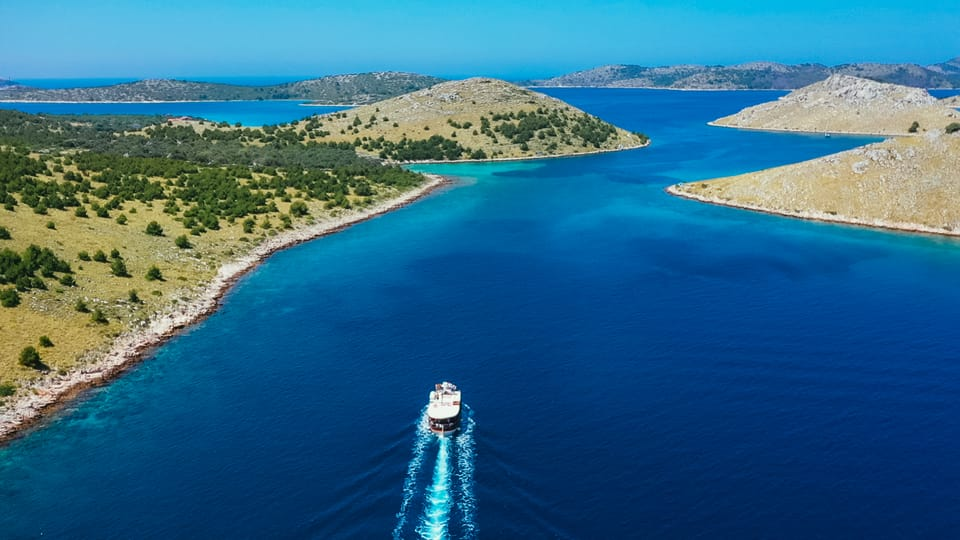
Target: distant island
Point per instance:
(116, 231)
(349, 89)
(909, 183)
(755, 76)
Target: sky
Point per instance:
(511, 38)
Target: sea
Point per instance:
(633, 365)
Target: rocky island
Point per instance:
(845, 104)
(908, 183)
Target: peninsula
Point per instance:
(755, 76)
(471, 119)
(118, 230)
(844, 104)
(908, 183)
(349, 89)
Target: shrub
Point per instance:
(51, 225)
(122, 219)
(115, 254)
(154, 229)
(100, 256)
(133, 296)
(248, 225)
(98, 317)
(81, 306)
(45, 341)
(80, 212)
(299, 209)
(83, 256)
(119, 268)
(7, 389)
(953, 127)
(68, 281)
(4, 233)
(153, 274)
(29, 357)
(9, 297)
(914, 127)
(103, 212)
(182, 242)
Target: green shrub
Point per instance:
(100, 256)
(80, 212)
(115, 254)
(7, 390)
(51, 225)
(154, 229)
(45, 341)
(9, 297)
(4, 233)
(953, 127)
(122, 219)
(68, 281)
(98, 317)
(81, 306)
(182, 242)
(153, 274)
(119, 268)
(248, 225)
(299, 209)
(134, 297)
(83, 256)
(29, 357)
(914, 127)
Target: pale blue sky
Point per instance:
(512, 39)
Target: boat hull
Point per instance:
(445, 426)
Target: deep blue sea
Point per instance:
(635, 366)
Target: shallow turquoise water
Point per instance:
(635, 365)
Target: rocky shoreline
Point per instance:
(812, 215)
(36, 400)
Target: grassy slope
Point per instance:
(52, 312)
(428, 112)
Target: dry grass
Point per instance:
(53, 312)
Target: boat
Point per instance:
(443, 412)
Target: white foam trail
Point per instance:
(436, 515)
(466, 454)
(420, 444)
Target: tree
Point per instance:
(134, 297)
(299, 209)
(154, 229)
(100, 256)
(115, 254)
(182, 242)
(29, 357)
(122, 219)
(45, 341)
(83, 256)
(153, 274)
(4, 233)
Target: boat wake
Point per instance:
(447, 507)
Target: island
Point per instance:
(351, 89)
(754, 76)
(116, 231)
(907, 183)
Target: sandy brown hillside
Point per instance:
(470, 119)
(953, 101)
(909, 183)
(844, 104)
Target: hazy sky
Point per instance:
(510, 38)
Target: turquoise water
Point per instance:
(635, 365)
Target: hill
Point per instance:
(335, 89)
(755, 76)
(844, 104)
(953, 101)
(907, 184)
(471, 119)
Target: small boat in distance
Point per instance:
(443, 412)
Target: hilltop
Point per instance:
(476, 118)
(334, 89)
(755, 76)
(845, 104)
(907, 184)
